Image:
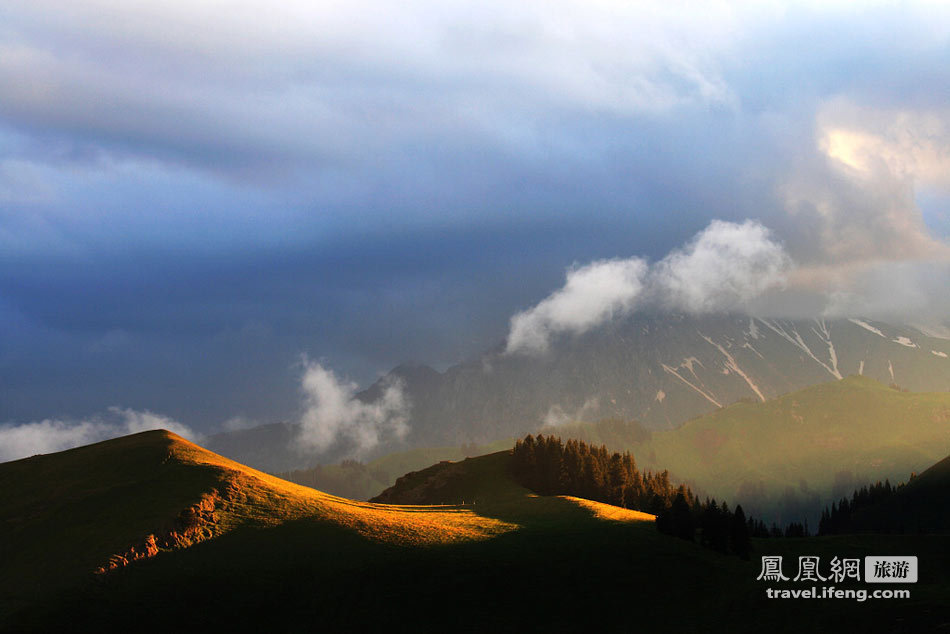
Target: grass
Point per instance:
(69, 514)
(858, 428)
(484, 484)
(65, 515)
(280, 557)
(801, 450)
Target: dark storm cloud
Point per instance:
(191, 196)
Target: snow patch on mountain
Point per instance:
(753, 329)
(732, 365)
(675, 372)
(791, 335)
(824, 333)
(904, 341)
(752, 348)
(867, 327)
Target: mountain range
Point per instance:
(660, 370)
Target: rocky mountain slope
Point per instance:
(662, 371)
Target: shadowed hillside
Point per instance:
(100, 507)
(170, 526)
(486, 485)
(921, 506)
(808, 446)
(229, 548)
(361, 481)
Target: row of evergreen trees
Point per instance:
(841, 517)
(719, 528)
(549, 466)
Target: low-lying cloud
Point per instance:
(724, 267)
(48, 436)
(894, 291)
(334, 415)
(558, 416)
(592, 295)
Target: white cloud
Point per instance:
(856, 195)
(558, 416)
(334, 414)
(134, 422)
(724, 267)
(238, 423)
(592, 295)
(47, 436)
(912, 144)
(864, 242)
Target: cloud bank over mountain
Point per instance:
(724, 268)
(591, 295)
(333, 414)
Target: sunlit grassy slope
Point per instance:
(65, 515)
(855, 430)
(797, 450)
(272, 556)
(485, 485)
(279, 556)
(105, 506)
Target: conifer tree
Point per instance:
(739, 538)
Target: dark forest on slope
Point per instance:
(549, 466)
(919, 506)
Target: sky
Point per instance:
(209, 209)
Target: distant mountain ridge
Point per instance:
(266, 447)
(660, 370)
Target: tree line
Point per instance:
(841, 517)
(549, 466)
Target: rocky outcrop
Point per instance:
(192, 525)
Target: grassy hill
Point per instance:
(89, 532)
(102, 506)
(360, 481)
(254, 553)
(785, 457)
(484, 484)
